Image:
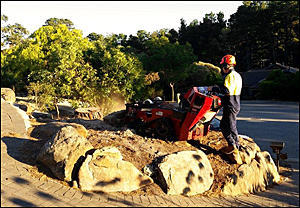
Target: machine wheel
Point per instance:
(144, 130)
(164, 129)
(140, 130)
(134, 124)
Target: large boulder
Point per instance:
(248, 149)
(256, 176)
(185, 173)
(105, 171)
(50, 129)
(40, 115)
(66, 149)
(8, 95)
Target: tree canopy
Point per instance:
(11, 35)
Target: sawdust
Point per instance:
(141, 151)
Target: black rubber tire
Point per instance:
(164, 129)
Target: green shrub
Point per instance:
(280, 86)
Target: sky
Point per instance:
(107, 17)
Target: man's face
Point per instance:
(225, 70)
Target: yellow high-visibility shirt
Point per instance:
(233, 82)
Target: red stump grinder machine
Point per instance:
(188, 120)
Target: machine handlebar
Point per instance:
(204, 91)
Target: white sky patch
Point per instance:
(106, 17)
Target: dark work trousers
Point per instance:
(228, 126)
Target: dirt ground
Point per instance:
(141, 151)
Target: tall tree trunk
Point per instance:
(56, 108)
(172, 86)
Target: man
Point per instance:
(231, 106)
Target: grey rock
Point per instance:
(8, 95)
(50, 129)
(105, 171)
(185, 173)
(253, 177)
(65, 150)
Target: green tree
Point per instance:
(16, 64)
(212, 38)
(94, 36)
(201, 74)
(170, 60)
(120, 74)
(56, 21)
(275, 39)
(183, 32)
(61, 52)
(280, 86)
(152, 88)
(136, 44)
(206, 37)
(284, 19)
(172, 36)
(4, 19)
(42, 94)
(11, 35)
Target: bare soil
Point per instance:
(141, 151)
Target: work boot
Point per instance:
(228, 149)
(235, 157)
(233, 154)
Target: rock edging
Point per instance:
(71, 157)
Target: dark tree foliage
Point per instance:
(260, 33)
(172, 36)
(56, 21)
(280, 86)
(264, 32)
(94, 36)
(12, 35)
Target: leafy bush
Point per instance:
(280, 86)
(202, 74)
(42, 95)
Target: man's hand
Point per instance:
(210, 88)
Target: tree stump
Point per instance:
(88, 113)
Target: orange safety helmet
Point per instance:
(228, 59)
